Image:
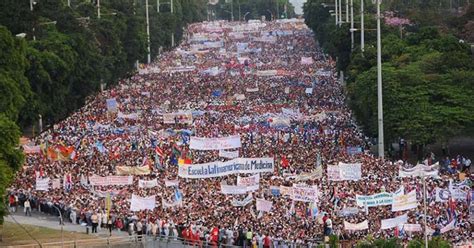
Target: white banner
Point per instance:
(252, 183)
(305, 193)
(132, 116)
(404, 202)
(450, 226)
(344, 171)
(356, 227)
(442, 195)
(42, 184)
(206, 144)
(228, 154)
(394, 222)
(110, 180)
(248, 199)
(419, 170)
(171, 183)
(317, 173)
(141, 203)
(264, 205)
(412, 228)
(147, 184)
(233, 189)
(165, 204)
(234, 166)
(306, 60)
(56, 183)
(179, 117)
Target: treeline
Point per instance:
(53, 56)
(427, 68)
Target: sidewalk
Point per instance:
(49, 221)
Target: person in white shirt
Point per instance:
(27, 206)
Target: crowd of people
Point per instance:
(267, 82)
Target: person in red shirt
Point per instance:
(267, 241)
(214, 236)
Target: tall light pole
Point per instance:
(379, 83)
(340, 12)
(347, 11)
(335, 10)
(362, 40)
(246, 16)
(147, 32)
(98, 9)
(424, 209)
(352, 25)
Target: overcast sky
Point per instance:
(298, 6)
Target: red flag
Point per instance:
(159, 152)
(284, 162)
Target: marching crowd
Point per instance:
(265, 81)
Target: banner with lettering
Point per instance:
(132, 170)
(207, 144)
(394, 222)
(356, 227)
(317, 173)
(412, 228)
(419, 170)
(228, 154)
(147, 184)
(264, 205)
(380, 199)
(233, 189)
(171, 183)
(110, 180)
(306, 60)
(219, 169)
(344, 171)
(252, 182)
(174, 204)
(138, 203)
(305, 193)
(56, 183)
(178, 118)
(404, 202)
(237, 203)
(112, 105)
(286, 191)
(42, 184)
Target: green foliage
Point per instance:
(426, 88)
(435, 242)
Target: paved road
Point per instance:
(49, 221)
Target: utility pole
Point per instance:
(352, 25)
(362, 41)
(335, 12)
(148, 32)
(98, 9)
(232, 10)
(340, 12)
(347, 11)
(158, 6)
(379, 85)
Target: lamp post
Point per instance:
(379, 85)
(147, 32)
(352, 25)
(347, 11)
(335, 7)
(61, 223)
(424, 210)
(362, 40)
(98, 9)
(246, 16)
(340, 12)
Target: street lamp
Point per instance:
(362, 39)
(61, 222)
(379, 84)
(246, 16)
(21, 35)
(148, 32)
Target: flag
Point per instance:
(108, 203)
(159, 152)
(313, 208)
(67, 182)
(100, 147)
(284, 162)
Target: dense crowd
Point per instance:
(235, 79)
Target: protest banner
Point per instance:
(264, 205)
(234, 166)
(174, 204)
(132, 116)
(286, 191)
(178, 118)
(111, 104)
(317, 173)
(394, 222)
(305, 193)
(348, 211)
(138, 203)
(306, 60)
(147, 184)
(275, 190)
(252, 182)
(419, 170)
(110, 180)
(380, 199)
(31, 149)
(171, 183)
(356, 227)
(222, 143)
(404, 202)
(56, 183)
(450, 226)
(233, 189)
(229, 154)
(248, 199)
(344, 171)
(42, 184)
(442, 195)
(129, 170)
(412, 228)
